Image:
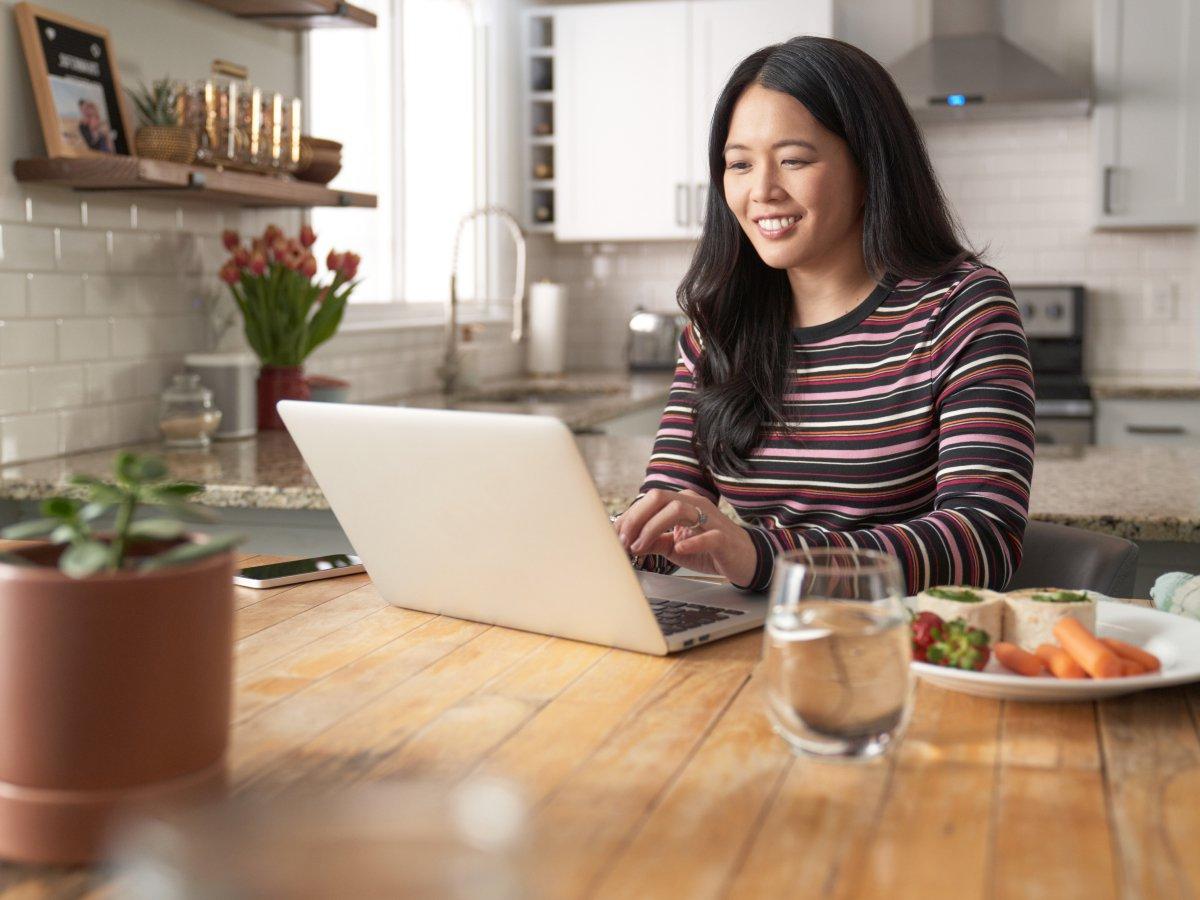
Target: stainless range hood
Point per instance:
(968, 70)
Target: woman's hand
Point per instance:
(664, 523)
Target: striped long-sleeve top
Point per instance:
(912, 434)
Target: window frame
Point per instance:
(400, 312)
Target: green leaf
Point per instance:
(94, 511)
(186, 553)
(60, 507)
(99, 491)
(65, 534)
(156, 529)
(14, 559)
(31, 529)
(81, 560)
(125, 466)
(151, 468)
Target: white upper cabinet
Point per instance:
(635, 92)
(1147, 114)
(724, 32)
(622, 130)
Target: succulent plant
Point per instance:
(139, 480)
(159, 103)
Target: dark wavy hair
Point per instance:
(740, 306)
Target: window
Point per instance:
(406, 100)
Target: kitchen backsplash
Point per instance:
(1023, 191)
(100, 298)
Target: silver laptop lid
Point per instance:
(480, 516)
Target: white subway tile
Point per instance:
(105, 211)
(105, 382)
(13, 288)
(26, 341)
(81, 340)
(55, 387)
(52, 206)
(55, 295)
(85, 429)
(115, 295)
(136, 420)
(133, 338)
(26, 247)
(82, 251)
(28, 437)
(150, 214)
(14, 391)
(135, 252)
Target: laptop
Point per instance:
(493, 517)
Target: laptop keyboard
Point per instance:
(674, 615)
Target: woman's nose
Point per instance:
(764, 184)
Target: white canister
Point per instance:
(232, 379)
(547, 354)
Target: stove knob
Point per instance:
(1029, 311)
(1055, 311)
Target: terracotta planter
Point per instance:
(114, 691)
(277, 383)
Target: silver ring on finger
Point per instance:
(701, 518)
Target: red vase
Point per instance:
(277, 383)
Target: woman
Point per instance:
(851, 374)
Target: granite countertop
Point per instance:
(1128, 387)
(1146, 492)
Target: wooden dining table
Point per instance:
(650, 777)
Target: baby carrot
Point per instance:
(1096, 658)
(1013, 657)
(1131, 667)
(1147, 661)
(1059, 662)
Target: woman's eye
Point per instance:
(797, 162)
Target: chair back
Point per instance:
(1066, 557)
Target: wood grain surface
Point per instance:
(660, 777)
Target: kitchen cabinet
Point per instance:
(1147, 130)
(1171, 422)
(635, 92)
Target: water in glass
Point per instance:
(837, 653)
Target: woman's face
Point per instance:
(780, 163)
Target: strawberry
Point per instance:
(959, 646)
(926, 628)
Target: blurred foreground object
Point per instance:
(389, 839)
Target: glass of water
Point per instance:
(837, 652)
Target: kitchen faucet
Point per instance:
(449, 369)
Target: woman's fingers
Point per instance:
(633, 520)
(702, 542)
(679, 511)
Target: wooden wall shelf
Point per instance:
(153, 176)
(297, 15)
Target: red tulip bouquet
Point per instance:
(286, 309)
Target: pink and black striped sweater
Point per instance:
(914, 433)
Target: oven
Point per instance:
(1053, 316)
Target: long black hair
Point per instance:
(742, 307)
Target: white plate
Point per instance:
(1173, 639)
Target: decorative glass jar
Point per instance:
(187, 417)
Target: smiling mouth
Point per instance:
(776, 228)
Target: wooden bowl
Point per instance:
(320, 160)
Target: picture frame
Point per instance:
(76, 85)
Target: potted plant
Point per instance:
(286, 310)
(163, 134)
(115, 662)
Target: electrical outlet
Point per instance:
(1158, 301)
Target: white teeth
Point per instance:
(776, 224)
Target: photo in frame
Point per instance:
(75, 84)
